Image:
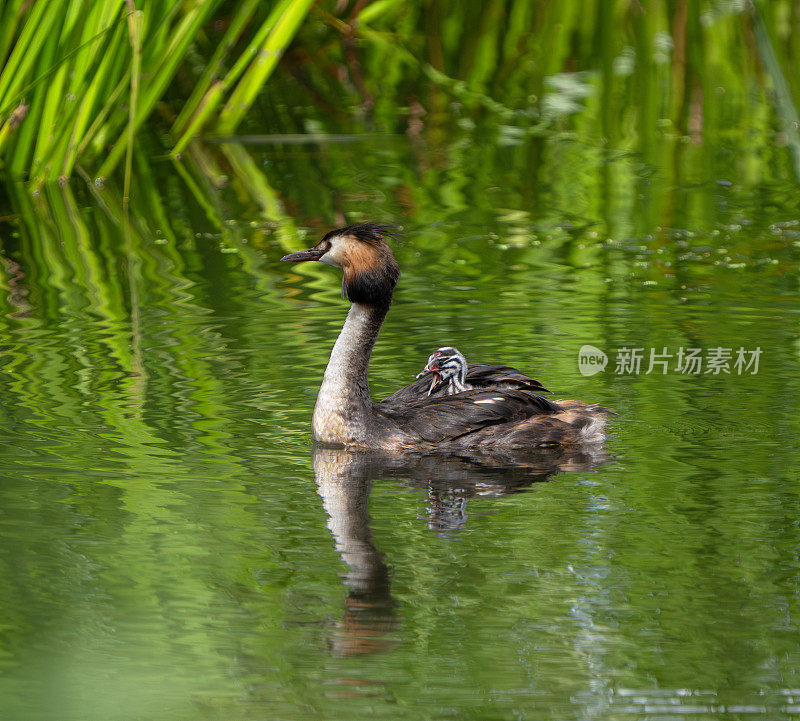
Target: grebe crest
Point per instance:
(369, 270)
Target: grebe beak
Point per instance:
(430, 368)
(310, 254)
(436, 380)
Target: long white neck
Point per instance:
(344, 404)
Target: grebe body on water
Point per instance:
(501, 417)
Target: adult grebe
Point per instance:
(493, 419)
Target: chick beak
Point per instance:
(433, 369)
(310, 254)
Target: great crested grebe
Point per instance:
(485, 420)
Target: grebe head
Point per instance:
(448, 368)
(370, 271)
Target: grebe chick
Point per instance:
(448, 369)
(452, 374)
(487, 420)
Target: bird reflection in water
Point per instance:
(344, 479)
(369, 623)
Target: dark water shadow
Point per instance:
(344, 481)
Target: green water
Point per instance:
(171, 547)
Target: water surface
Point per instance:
(172, 547)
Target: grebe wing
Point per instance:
(412, 393)
(479, 375)
(438, 419)
(482, 375)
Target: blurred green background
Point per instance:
(620, 173)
